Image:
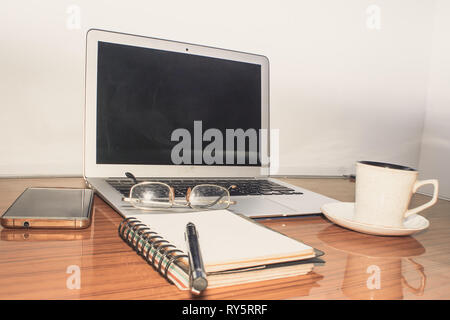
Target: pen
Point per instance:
(198, 279)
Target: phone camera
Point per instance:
(26, 224)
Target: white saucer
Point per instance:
(341, 213)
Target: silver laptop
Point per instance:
(182, 114)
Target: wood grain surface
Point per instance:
(42, 264)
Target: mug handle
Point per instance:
(433, 200)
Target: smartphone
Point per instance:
(56, 208)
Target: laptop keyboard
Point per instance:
(243, 187)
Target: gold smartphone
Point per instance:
(54, 208)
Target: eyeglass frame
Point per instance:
(172, 201)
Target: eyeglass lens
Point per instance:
(151, 195)
(211, 197)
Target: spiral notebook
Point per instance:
(235, 249)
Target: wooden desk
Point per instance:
(34, 265)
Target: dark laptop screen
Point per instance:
(144, 95)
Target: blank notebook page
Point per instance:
(228, 241)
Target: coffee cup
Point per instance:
(384, 191)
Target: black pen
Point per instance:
(198, 281)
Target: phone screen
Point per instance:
(51, 203)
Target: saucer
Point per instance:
(341, 213)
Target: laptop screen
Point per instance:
(157, 107)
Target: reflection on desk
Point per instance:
(42, 235)
(374, 264)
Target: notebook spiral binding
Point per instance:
(142, 239)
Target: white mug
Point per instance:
(383, 193)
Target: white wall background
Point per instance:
(340, 92)
(343, 92)
(435, 151)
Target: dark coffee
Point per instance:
(387, 165)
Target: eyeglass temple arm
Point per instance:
(188, 194)
(131, 176)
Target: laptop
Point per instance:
(182, 114)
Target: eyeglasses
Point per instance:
(158, 195)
